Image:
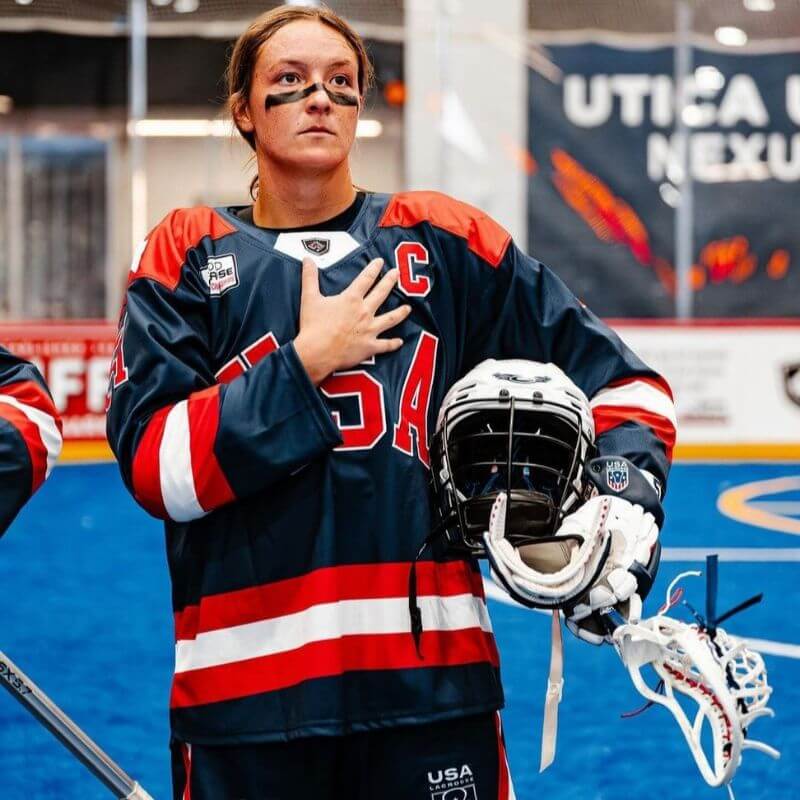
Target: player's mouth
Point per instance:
(318, 129)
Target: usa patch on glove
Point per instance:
(632, 558)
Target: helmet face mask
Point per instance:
(508, 433)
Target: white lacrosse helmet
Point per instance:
(513, 426)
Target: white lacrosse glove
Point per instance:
(560, 568)
(633, 541)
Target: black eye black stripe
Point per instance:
(340, 98)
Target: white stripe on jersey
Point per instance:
(136, 260)
(48, 430)
(637, 394)
(175, 467)
(328, 621)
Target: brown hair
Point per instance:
(239, 73)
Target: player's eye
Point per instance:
(289, 79)
(341, 81)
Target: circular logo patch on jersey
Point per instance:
(772, 504)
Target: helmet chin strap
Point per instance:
(340, 98)
(555, 689)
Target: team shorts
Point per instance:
(460, 759)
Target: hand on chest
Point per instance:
(383, 401)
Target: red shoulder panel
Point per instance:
(485, 237)
(166, 245)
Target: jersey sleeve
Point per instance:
(512, 306)
(30, 434)
(185, 443)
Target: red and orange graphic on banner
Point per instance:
(613, 220)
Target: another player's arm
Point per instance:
(30, 434)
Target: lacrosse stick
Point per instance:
(700, 663)
(34, 700)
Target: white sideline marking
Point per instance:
(774, 648)
(731, 553)
(763, 646)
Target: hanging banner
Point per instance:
(608, 174)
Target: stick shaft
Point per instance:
(35, 701)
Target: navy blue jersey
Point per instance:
(30, 434)
(293, 513)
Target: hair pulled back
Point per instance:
(239, 74)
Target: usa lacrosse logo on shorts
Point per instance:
(454, 783)
(617, 475)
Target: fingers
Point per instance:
(391, 318)
(586, 634)
(381, 290)
(364, 280)
(310, 278)
(387, 345)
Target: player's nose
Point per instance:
(318, 100)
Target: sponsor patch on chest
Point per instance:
(220, 274)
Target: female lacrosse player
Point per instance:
(278, 371)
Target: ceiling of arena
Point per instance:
(658, 16)
(388, 12)
(386, 16)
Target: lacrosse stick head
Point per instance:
(724, 678)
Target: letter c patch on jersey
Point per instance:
(407, 255)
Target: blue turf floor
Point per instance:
(86, 614)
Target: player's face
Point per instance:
(313, 133)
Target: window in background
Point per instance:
(53, 227)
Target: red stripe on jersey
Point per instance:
(210, 484)
(656, 381)
(167, 244)
(33, 442)
(187, 770)
(608, 417)
(485, 237)
(327, 585)
(146, 471)
(391, 651)
(31, 394)
(503, 777)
